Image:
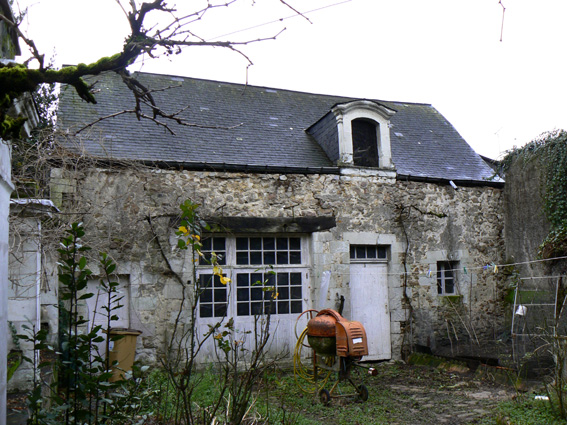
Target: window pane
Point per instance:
(295, 278)
(269, 258)
(283, 279)
(295, 257)
(242, 257)
(218, 283)
(295, 292)
(220, 295)
(365, 142)
(360, 251)
(256, 294)
(242, 279)
(242, 244)
(270, 279)
(282, 243)
(295, 243)
(207, 244)
(219, 244)
(256, 279)
(283, 292)
(449, 287)
(206, 296)
(283, 307)
(269, 244)
(206, 310)
(255, 257)
(220, 310)
(382, 252)
(352, 251)
(242, 309)
(256, 308)
(370, 251)
(242, 294)
(296, 307)
(283, 258)
(205, 280)
(256, 244)
(205, 259)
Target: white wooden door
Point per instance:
(369, 301)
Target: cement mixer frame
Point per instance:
(335, 345)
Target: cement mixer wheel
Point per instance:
(362, 393)
(325, 397)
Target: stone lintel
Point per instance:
(271, 224)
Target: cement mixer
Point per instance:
(334, 345)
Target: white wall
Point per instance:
(5, 191)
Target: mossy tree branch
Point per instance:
(169, 37)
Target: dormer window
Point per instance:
(364, 134)
(365, 142)
(356, 137)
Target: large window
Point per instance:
(446, 277)
(267, 273)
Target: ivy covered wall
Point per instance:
(536, 201)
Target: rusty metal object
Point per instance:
(349, 336)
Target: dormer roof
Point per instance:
(242, 127)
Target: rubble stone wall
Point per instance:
(420, 224)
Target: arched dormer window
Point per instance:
(364, 134)
(365, 142)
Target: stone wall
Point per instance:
(420, 223)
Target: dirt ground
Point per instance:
(416, 395)
(426, 395)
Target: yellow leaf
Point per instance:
(217, 270)
(224, 280)
(183, 229)
(197, 237)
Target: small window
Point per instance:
(368, 253)
(365, 143)
(446, 277)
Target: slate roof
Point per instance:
(248, 127)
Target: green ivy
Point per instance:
(551, 152)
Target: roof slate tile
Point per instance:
(243, 125)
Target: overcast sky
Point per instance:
(444, 52)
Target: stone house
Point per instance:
(380, 204)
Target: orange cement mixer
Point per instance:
(334, 344)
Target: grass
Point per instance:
(400, 394)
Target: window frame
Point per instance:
(378, 259)
(231, 269)
(441, 277)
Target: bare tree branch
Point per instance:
(169, 38)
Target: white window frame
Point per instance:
(231, 270)
(368, 260)
(441, 277)
(347, 112)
